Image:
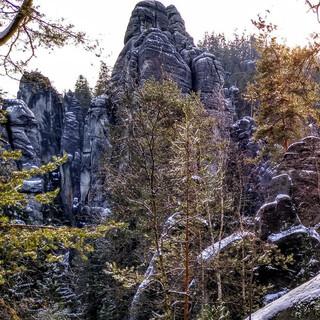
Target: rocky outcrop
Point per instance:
(22, 132)
(158, 46)
(96, 151)
(300, 303)
(301, 163)
(245, 168)
(276, 216)
(46, 105)
(295, 183)
(41, 124)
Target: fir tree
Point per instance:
(103, 82)
(83, 92)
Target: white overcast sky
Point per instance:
(107, 20)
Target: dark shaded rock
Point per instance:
(208, 73)
(146, 15)
(255, 176)
(71, 143)
(177, 28)
(301, 163)
(158, 59)
(280, 185)
(242, 132)
(33, 185)
(276, 216)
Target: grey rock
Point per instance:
(276, 216)
(96, 150)
(158, 46)
(301, 163)
(23, 131)
(71, 143)
(208, 73)
(290, 306)
(280, 184)
(145, 15)
(33, 185)
(45, 103)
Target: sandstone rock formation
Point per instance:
(95, 152)
(45, 103)
(301, 163)
(41, 124)
(158, 46)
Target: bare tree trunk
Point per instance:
(187, 262)
(12, 28)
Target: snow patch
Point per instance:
(282, 196)
(305, 293)
(275, 237)
(210, 252)
(273, 296)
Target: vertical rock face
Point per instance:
(71, 144)
(45, 103)
(293, 194)
(42, 124)
(96, 148)
(158, 46)
(22, 132)
(302, 162)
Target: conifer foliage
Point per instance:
(83, 92)
(103, 83)
(284, 89)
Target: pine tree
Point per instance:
(83, 92)
(103, 82)
(284, 90)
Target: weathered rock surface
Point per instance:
(42, 125)
(96, 150)
(301, 163)
(46, 105)
(276, 216)
(158, 46)
(256, 176)
(22, 132)
(71, 144)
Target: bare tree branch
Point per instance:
(18, 20)
(314, 7)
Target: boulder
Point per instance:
(300, 303)
(276, 216)
(301, 164)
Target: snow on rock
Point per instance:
(275, 237)
(210, 252)
(278, 215)
(305, 293)
(273, 296)
(33, 185)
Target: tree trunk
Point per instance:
(12, 28)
